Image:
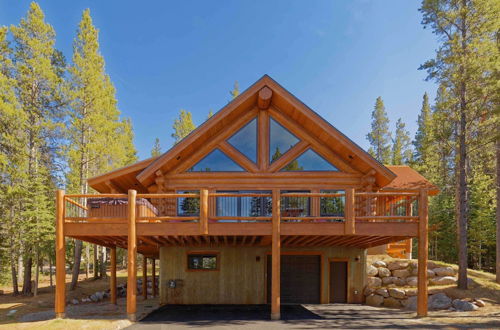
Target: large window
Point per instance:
(245, 140)
(280, 140)
(216, 161)
(203, 261)
(295, 206)
(332, 206)
(188, 206)
(242, 206)
(309, 161)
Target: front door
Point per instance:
(338, 282)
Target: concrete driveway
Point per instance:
(341, 316)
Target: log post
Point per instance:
(112, 279)
(264, 98)
(204, 211)
(153, 276)
(132, 255)
(349, 224)
(145, 277)
(422, 253)
(276, 257)
(60, 297)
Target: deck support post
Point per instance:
(112, 279)
(153, 276)
(132, 256)
(145, 277)
(60, 297)
(204, 211)
(349, 224)
(422, 253)
(276, 257)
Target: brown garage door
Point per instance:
(300, 279)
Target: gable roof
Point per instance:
(409, 179)
(288, 105)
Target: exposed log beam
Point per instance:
(264, 98)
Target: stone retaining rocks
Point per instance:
(392, 302)
(443, 280)
(465, 306)
(383, 272)
(380, 263)
(374, 300)
(439, 301)
(382, 292)
(373, 282)
(444, 271)
(397, 293)
(371, 271)
(397, 264)
(403, 273)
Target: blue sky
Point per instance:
(336, 56)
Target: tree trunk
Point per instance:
(87, 258)
(27, 276)
(13, 261)
(103, 262)
(96, 263)
(37, 271)
(50, 271)
(498, 210)
(76, 264)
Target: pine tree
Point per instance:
(401, 151)
(182, 126)
(210, 114)
(38, 72)
(465, 63)
(156, 151)
(423, 138)
(235, 91)
(99, 140)
(379, 136)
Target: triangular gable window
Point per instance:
(245, 140)
(309, 161)
(216, 161)
(280, 140)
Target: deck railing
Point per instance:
(207, 207)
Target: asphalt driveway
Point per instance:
(340, 316)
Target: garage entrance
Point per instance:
(300, 279)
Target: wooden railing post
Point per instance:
(204, 211)
(60, 297)
(349, 224)
(112, 279)
(132, 255)
(422, 253)
(144, 277)
(276, 257)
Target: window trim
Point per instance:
(203, 253)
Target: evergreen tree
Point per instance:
(423, 138)
(401, 152)
(38, 72)
(99, 140)
(235, 91)
(465, 63)
(156, 151)
(182, 126)
(210, 114)
(379, 136)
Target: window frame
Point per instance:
(202, 254)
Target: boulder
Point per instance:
(430, 273)
(382, 292)
(397, 264)
(403, 273)
(75, 301)
(368, 291)
(374, 300)
(93, 297)
(379, 263)
(392, 302)
(371, 271)
(373, 282)
(411, 303)
(443, 280)
(439, 301)
(465, 306)
(388, 280)
(99, 295)
(400, 281)
(383, 272)
(411, 292)
(479, 303)
(412, 281)
(431, 265)
(397, 293)
(444, 271)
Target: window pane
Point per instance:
(216, 161)
(280, 140)
(332, 206)
(245, 140)
(295, 206)
(198, 261)
(244, 206)
(309, 161)
(188, 207)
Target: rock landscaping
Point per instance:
(121, 291)
(393, 284)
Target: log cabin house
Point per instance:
(266, 202)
